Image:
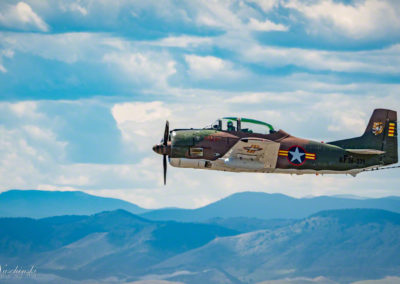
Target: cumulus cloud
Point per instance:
(66, 47)
(211, 67)
(144, 67)
(238, 16)
(74, 7)
(371, 61)
(266, 26)
(347, 115)
(183, 41)
(21, 16)
(34, 156)
(134, 61)
(7, 53)
(266, 5)
(268, 97)
(361, 19)
(141, 123)
(28, 150)
(217, 14)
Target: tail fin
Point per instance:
(380, 134)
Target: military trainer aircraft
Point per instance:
(246, 145)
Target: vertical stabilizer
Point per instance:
(380, 134)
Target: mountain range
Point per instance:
(259, 205)
(112, 243)
(270, 206)
(335, 246)
(40, 204)
(341, 245)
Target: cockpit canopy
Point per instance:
(242, 124)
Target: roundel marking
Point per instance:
(296, 155)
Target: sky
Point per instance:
(86, 88)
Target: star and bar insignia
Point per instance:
(296, 155)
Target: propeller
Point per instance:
(164, 149)
(165, 143)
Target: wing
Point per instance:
(253, 152)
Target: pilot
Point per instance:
(230, 126)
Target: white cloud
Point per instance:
(217, 14)
(28, 149)
(266, 5)
(32, 156)
(362, 19)
(5, 53)
(144, 67)
(210, 67)
(204, 66)
(268, 97)
(27, 109)
(238, 17)
(66, 47)
(182, 41)
(252, 98)
(74, 7)
(21, 16)
(349, 116)
(135, 62)
(266, 26)
(384, 60)
(141, 124)
(149, 65)
(139, 112)
(110, 176)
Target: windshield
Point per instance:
(217, 125)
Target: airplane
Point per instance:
(238, 144)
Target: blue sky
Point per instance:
(86, 87)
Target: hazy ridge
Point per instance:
(238, 244)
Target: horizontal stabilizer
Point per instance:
(366, 151)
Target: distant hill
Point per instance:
(97, 246)
(119, 247)
(39, 204)
(253, 205)
(341, 245)
(270, 206)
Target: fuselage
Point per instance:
(208, 148)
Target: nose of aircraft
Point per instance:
(162, 149)
(156, 148)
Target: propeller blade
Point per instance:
(165, 143)
(166, 133)
(165, 168)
